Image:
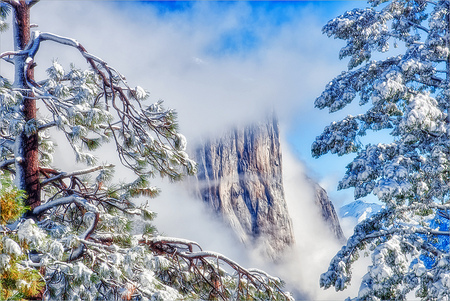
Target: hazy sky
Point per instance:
(217, 63)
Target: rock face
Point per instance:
(328, 212)
(240, 176)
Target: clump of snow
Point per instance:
(82, 273)
(11, 247)
(140, 93)
(31, 234)
(180, 142)
(103, 270)
(56, 250)
(116, 258)
(56, 71)
(4, 262)
(423, 113)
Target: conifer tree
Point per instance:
(399, 72)
(78, 238)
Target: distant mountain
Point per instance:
(327, 209)
(360, 210)
(240, 177)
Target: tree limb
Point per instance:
(6, 163)
(92, 214)
(168, 246)
(64, 175)
(47, 125)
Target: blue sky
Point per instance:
(219, 63)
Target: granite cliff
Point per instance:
(240, 177)
(327, 210)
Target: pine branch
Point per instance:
(171, 246)
(6, 163)
(47, 125)
(64, 175)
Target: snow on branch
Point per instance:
(91, 217)
(171, 247)
(14, 3)
(62, 201)
(64, 175)
(6, 163)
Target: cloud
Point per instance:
(199, 59)
(315, 245)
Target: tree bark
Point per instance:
(28, 171)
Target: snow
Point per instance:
(31, 234)
(56, 250)
(116, 258)
(140, 93)
(82, 273)
(181, 142)
(11, 247)
(4, 262)
(359, 210)
(424, 113)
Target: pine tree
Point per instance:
(404, 93)
(82, 236)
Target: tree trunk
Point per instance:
(27, 169)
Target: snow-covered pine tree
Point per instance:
(76, 240)
(404, 92)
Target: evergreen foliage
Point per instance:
(404, 92)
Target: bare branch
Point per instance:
(417, 26)
(8, 143)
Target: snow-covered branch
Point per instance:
(6, 163)
(47, 126)
(171, 247)
(64, 175)
(62, 201)
(8, 143)
(32, 2)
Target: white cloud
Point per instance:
(169, 55)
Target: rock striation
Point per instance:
(240, 177)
